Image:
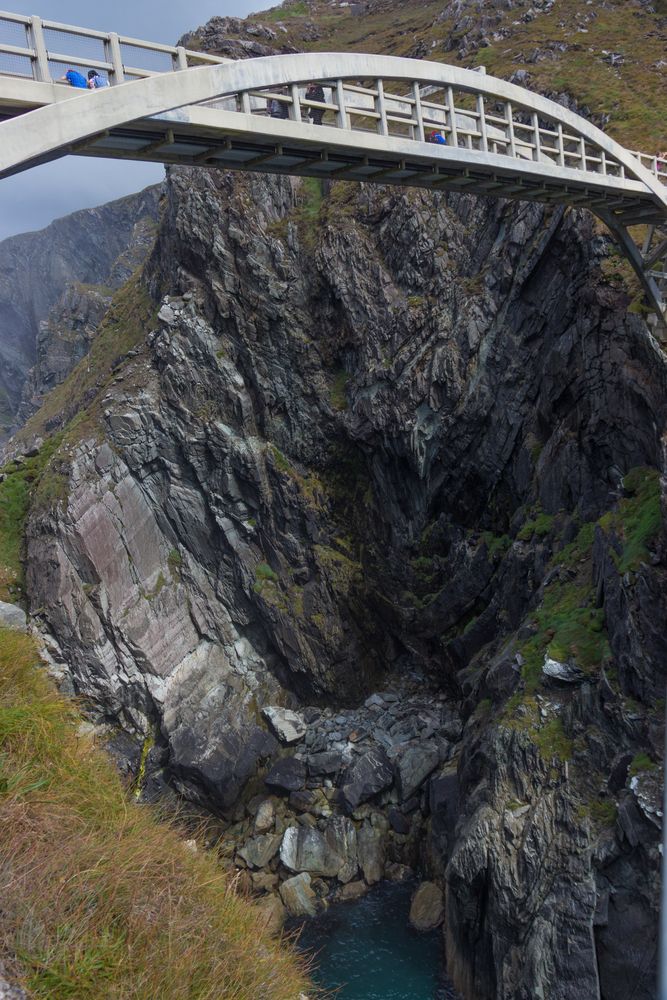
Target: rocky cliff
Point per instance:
(75, 257)
(356, 526)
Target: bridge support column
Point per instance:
(641, 265)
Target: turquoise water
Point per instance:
(368, 951)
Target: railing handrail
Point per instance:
(106, 37)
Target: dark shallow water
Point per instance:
(368, 951)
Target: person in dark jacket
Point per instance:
(278, 109)
(315, 93)
(75, 79)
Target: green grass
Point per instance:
(281, 463)
(568, 626)
(549, 737)
(578, 549)
(552, 740)
(297, 8)
(603, 812)
(637, 519)
(99, 898)
(539, 526)
(641, 762)
(496, 545)
(265, 576)
(633, 94)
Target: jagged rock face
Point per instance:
(314, 402)
(92, 247)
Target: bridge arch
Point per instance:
(572, 162)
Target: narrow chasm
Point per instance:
(358, 546)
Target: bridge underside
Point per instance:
(204, 136)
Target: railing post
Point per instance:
(341, 114)
(180, 59)
(381, 108)
(603, 162)
(536, 137)
(484, 143)
(115, 57)
(295, 108)
(418, 111)
(244, 98)
(561, 146)
(509, 111)
(40, 59)
(582, 153)
(452, 117)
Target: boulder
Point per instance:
(413, 767)
(311, 801)
(305, 849)
(354, 890)
(341, 836)
(298, 897)
(365, 777)
(396, 872)
(427, 909)
(259, 851)
(288, 726)
(398, 822)
(264, 881)
(325, 763)
(287, 775)
(9, 991)
(370, 851)
(567, 673)
(11, 616)
(273, 914)
(265, 817)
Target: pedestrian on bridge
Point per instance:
(74, 79)
(315, 92)
(278, 109)
(95, 81)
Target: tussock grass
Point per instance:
(98, 898)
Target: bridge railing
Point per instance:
(43, 50)
(462, 116)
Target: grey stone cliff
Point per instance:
(357, 449)
(93, 247)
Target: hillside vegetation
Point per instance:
(608, 55)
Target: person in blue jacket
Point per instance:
(75, 79)
(438, 138)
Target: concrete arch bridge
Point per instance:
(172, 105)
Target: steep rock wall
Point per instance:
(35, 269)
(356, 438)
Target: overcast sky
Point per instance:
(32, 199)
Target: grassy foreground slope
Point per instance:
(98, 899)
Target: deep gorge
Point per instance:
(394, 462)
